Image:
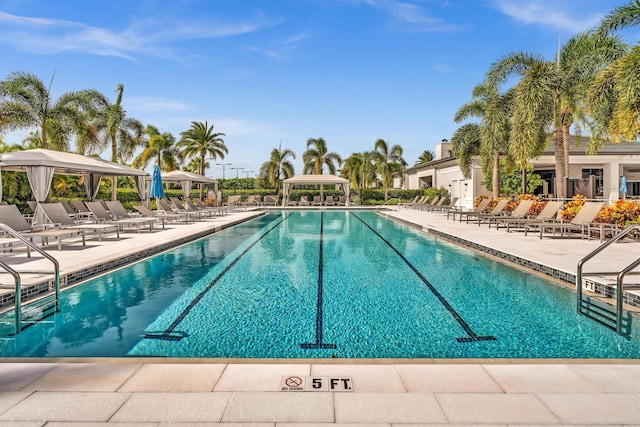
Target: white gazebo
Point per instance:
(320, 180)
(41, 164)
(187, 179)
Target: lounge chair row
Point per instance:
(544, 223)
(317, 201)
(96, 218)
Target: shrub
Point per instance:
(622, 213)
(573, 207)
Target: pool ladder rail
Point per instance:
(41, 308)
(613, 317)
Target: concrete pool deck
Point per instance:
(153, 392)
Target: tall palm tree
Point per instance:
(26, 103)
(388, 161)
(360, 170)
(614, 96)
(465, 144)
(317, 156)
(494, 110)
(158, 147)
(201, 141)
(550, 93)
(279, 167)
(425, 157)
(123, 134)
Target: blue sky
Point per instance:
(267, 72)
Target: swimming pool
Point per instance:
(316, 284)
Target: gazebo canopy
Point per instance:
(187, 179)
(64, 163)
(41, 164)
(320, 180)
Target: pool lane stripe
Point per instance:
(168, 334)
(471, 335)
(319, 318)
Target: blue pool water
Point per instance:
(307, 284)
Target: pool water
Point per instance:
(319, 284)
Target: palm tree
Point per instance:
(359, 169)
(426, 157)
(551, 93)
(124, 134)
(158, 147)
(26, 103)
(278, 167)
(388, 161)
(316, 158)
(200, 140)
(490, 137)
(614, 97)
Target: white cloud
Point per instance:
(547, 13)
(42, 35)
(405, 16)
(146, 104)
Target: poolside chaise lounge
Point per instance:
(409, 203)
(495, 212)
(121, 214)
(167, 208)
(342, 200)
(221, 210)
(11, 216)
(234, 200)
(433, 206)
(446, 208)
(180, 207)
(580, 222)
(161, 215)
(57, 214)
(520, 212)
(519, 224)
(424, 200)
(270, 200)
(317, 201)
(81, 208)
(329, 201)
(463, 213)
(191, 206)
(303, 201)
(253, 200)
(103, 216)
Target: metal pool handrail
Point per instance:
(619, 278)
(16, 275)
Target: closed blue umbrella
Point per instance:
(156, 184)
(623, 186)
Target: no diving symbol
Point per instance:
(293, 382)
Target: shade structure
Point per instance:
(320, 180)
(187, 179)
(156, 190)
(41, 164)
(623, 186)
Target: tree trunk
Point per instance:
(558, 151)
(565, 146)
(114, 159)
(114, 188)
(495, 176)
(524, 180)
